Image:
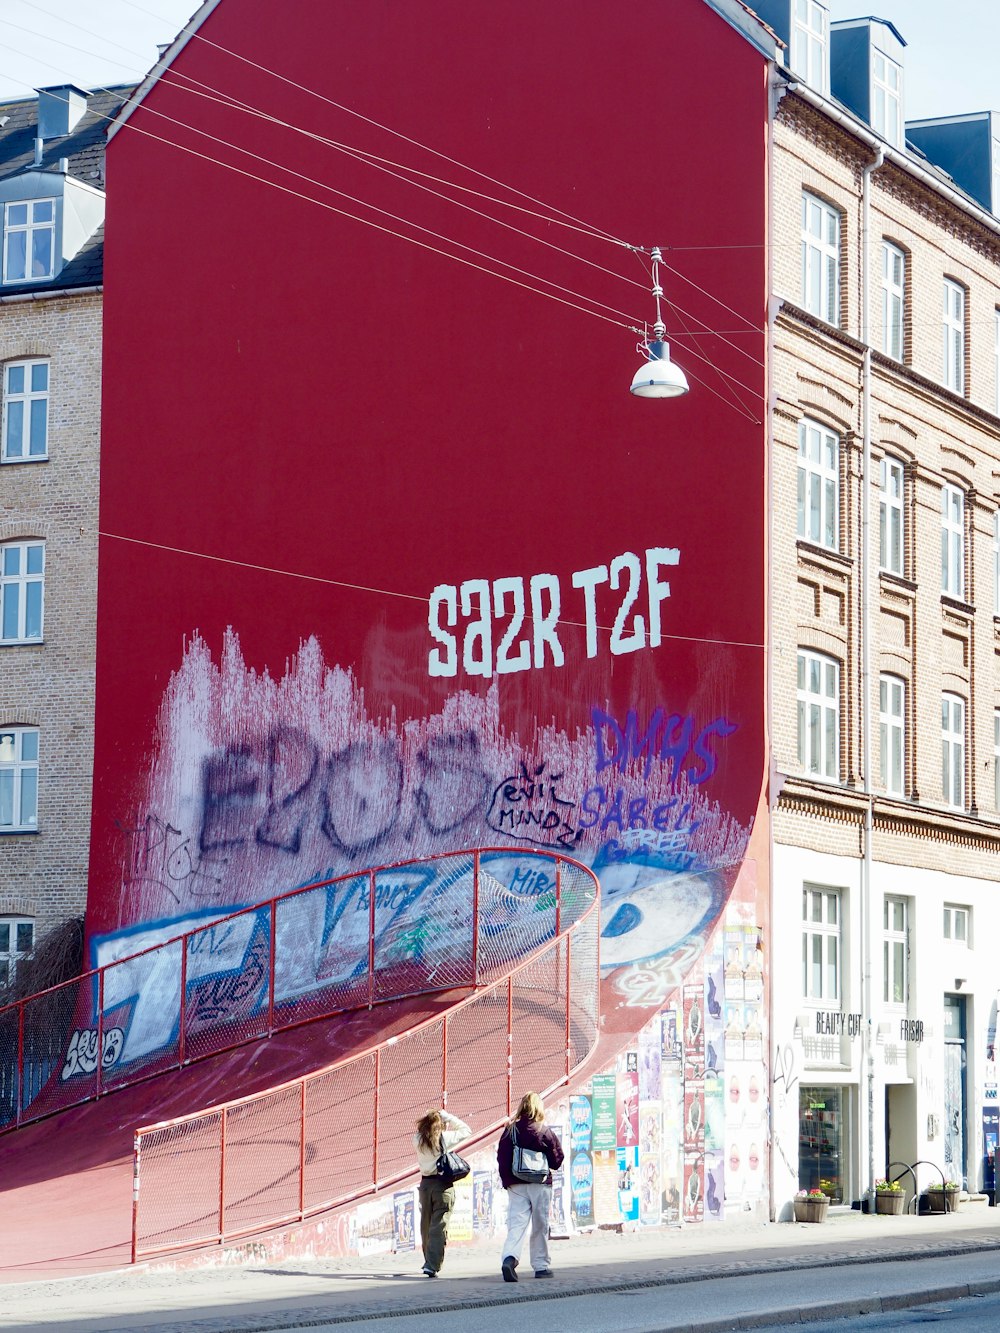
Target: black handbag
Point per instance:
(529, 1165)
(452, 1166)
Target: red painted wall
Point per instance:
(309, 424)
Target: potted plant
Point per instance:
(943, 1198)
(889, 1197)
(811, 1206)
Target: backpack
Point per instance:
(528, 1164)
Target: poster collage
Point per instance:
(675, 1133)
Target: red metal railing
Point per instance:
(451, 921)
(343, 1132)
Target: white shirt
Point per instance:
(455, 1132)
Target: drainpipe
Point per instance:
(867, 925)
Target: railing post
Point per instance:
(475, 917)
(558, 895)
(100, 1033)
(222, 1175)
(371, 938)
(136, 1145)
(569, 991)
(302, 1153)
(182, 1034)
(444, 1061)
(375, 1121)
(274, 956)
(20, 1060)
(510, 1038)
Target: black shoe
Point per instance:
(543, 1272)
(429, 1272)
(507, 1268)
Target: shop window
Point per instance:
(823, 1147)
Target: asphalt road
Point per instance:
(974, 1314)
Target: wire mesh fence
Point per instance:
(449, 922)
(345, 1131)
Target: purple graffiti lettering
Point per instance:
(361, 795)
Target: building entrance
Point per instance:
(954, 1089)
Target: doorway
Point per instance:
(954, 1089)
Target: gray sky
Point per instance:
(951, 54)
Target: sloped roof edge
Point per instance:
(185, 35)
(741, 17)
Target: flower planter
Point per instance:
(890, 1202)
(943, 1200)
(811, 1210)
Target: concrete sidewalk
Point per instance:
(273, 1296)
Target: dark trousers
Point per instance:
(436, 1202)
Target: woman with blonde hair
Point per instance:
(437, 1132)
(528, 1202)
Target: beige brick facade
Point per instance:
(50, 684)
(844, 832)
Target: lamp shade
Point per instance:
(659, 377)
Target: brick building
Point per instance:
(886, 593)
(52, 200)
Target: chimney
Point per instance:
(60, 110)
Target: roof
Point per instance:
(83, 148)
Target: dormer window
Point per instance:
(810, 44)
(29, 240)
(887, 86)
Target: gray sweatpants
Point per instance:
(528, 1204)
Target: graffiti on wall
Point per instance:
(263, 784)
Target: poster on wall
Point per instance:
(461, 1226)
(482, 1203)
(376, 1226)
(559, 1221)
(650, 1051)
(404, 1212)
(627, 1095)
(582, 1187)
(581, 1123)
(606, 1210)
(715, 1186)
(628, 1184)
(605, 1131)
(694, 1187)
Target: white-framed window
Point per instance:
(953, 750)
(996, 562)
(890, 515)
(821, 923)
(996, 759)
(820, 258)
(29, 240)
(17, 940)
(952, 541)
(957, 923)
(893, 299)
(954, 336)
(25, 429)
(810, 44)
(887, 99)
(892, 733)
(996, 360)
(818, 699)
(818, 485)
(895, 951)
(18, 779)
(22, 591)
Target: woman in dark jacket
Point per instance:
(527, 1204)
